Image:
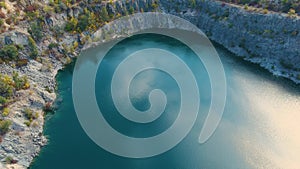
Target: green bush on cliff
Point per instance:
(131, 10)
(1, 22)
(53, 45)
(278, 6)
(192, 3)
(292, 12)
(104, 14)
(71, 25)
(36, 31)
(154, 5)
(9, 52)
(6, 87)
(3, 5)
(20, 82)
(86, 20)
(5, 112)
(4, 126)
(30, 114)
(3, 100)
(33, 48)
(83, 22)
(10, 84)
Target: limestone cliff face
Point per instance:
(269, 39)
(272, 40)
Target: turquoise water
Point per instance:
(229, 148)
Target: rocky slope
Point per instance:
(271, 40)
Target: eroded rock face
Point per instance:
(270, 40)
(23, 143)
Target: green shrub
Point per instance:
(154, 5)
(52, 45)
(292, 12)
(8, 160)
(9, 52)
(104, 14)
(33, 48)
(1, 22)
(48, 9)
(5, 112)
(192, 3)
(3, 100)
(27, 123)
(21, 62)
(131, 10)
(57, 31)
(265, 11)
(30, 114)
(6, 87)
(20, 82)
(71, 25)
(32, 15)
(4, 126)
(36, 31)
(3, 5)
(83, 22)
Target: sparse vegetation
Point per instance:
(8, 86)
(53, 45)
(3, 100)
(4, 126)
(36, 30)
(192, 3)
(10, 160)
(3, 5)
(104, 14)
(292, 12)
(9, 52)
(33, 48)
(131, 10)
(30, 115)
(5, 112)
(284, 6)
(20, 82)
(71, 25)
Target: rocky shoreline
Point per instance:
(23, 143)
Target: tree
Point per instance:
(131, 10)
(83, 22)
(71, 25)
(104, 14)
